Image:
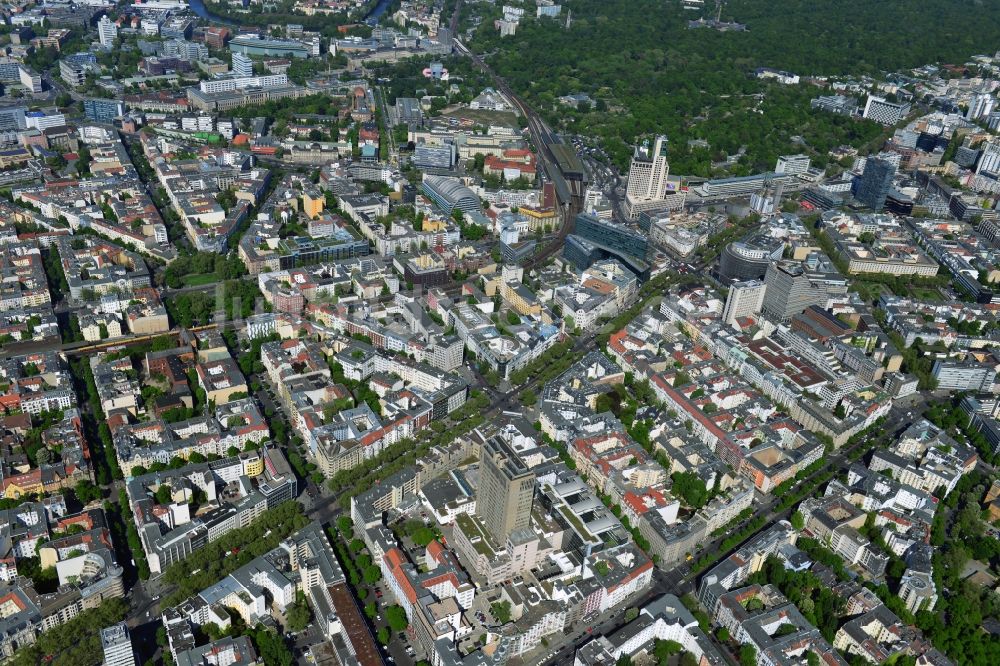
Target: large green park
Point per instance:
(648, 72)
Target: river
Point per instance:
(198, 7)
(376, 13)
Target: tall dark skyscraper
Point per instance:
(506, 489)
(875, 183)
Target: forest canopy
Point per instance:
(649, 73)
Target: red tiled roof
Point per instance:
(395, 559)
(435, 550)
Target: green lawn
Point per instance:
(198, 279)
(870, 291)
(925, 294)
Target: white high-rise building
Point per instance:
(117, 646)
(29, 79)
(242, 65)
(989, 161)
(647, 175)
(648, 184)
(745, 300)
(107, 32)
(980, 106)
(793, 165)
(762, 203)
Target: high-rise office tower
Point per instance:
(647, 175)
(103, 110)
(12, 119)
(980, 106)
(875, 183)
(117, 646)
(745, 300)
(787, 290)
(506, 490)
(791, 288)
(107, 32)
(989, 160)
(242, 65)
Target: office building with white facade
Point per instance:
(989, 160)
(792, 165)
(242, 83)
(117, 646)
(242, 66)
(107, 32)
(963, 375)
(745, 300)
(980, 106)
(648, 185)
(885, 112)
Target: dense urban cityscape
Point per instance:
(478, 333)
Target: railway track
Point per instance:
(543, 139)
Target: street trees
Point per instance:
(232, 550)
(87, 492)
(690, 488)
(396, 617)
(371, 574)
(74, 642)
(298, 615)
